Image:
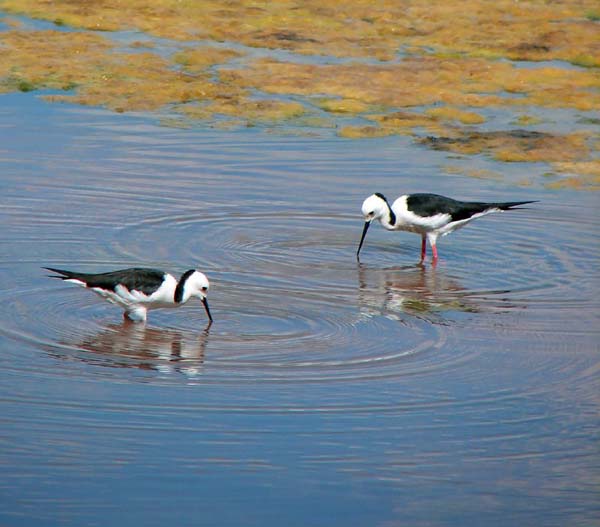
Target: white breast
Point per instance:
(164, 296)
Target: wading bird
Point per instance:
(429, 215)
(137, 290)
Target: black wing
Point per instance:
(431, 204)
(144, 280)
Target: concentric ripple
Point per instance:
(409, 384)
(293, 305)
(317, 335)
(290, 301)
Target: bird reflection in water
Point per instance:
(411, 290)
(130, 345)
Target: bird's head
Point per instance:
(195, 284)
(375, 207)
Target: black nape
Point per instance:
(392, 218)
(178, 297)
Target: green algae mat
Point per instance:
(442, 72)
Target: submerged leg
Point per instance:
(423, 248)
(137, 314)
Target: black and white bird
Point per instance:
(429, 215)
(137, 289)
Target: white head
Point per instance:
(193, 283)
(375, 207)
(197, 284)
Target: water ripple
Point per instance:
(293, 305)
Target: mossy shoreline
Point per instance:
(371, 69)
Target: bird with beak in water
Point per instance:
(429, 215)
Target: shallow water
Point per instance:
(327, 392)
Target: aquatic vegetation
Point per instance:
(447, 113)
(421, 81)
(527, 120)
(356, 132)
(406, 122)
(588, 168)
(416, 81)
(100, 75)
(394, 123)
(196, 60)
(580, 175)
(515, 145)
(351, 106)
(529, 30)
(482, 173)
(247, 112)
(414, 69)
(50, 59)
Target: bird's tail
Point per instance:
(509, 205)
(64, 275)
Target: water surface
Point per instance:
(327, 392)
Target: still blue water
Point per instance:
(326, 392)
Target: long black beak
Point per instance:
(362, 238)
(205, 302)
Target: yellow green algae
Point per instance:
(515, 145)
(88, 62)
(350, 106)
(426, 80)
(527, 120)
(408, 68)
(579, 175)
(526, 30)
(197, 60)
(252, 110)
(449, 113)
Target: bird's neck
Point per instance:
(388, 219)
(182, 294)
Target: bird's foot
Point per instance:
(134, 317)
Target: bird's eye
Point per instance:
(204, 288)
(371, 213)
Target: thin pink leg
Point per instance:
(423, 248)
(434, 251)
